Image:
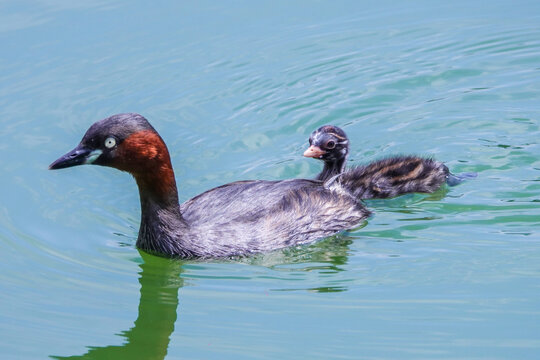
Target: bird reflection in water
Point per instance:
(149, 337)
(161, 278)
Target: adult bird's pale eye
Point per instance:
(110, 142)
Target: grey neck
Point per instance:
(332, 168)
(162, 226)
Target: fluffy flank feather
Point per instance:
(392, 177)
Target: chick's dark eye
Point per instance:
(330, 144)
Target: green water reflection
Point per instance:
(161, 279)
(149, 338)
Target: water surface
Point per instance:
(235, 90)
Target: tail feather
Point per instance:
(392, 177)
(456, 179)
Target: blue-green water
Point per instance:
(235, 89)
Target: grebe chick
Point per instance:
(240, 218)
(380, 179)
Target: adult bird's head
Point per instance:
(129, 143)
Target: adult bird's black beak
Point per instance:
(78, 156)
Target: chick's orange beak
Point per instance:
(314, 152)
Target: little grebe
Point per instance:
(380, 179)
(239, 218)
